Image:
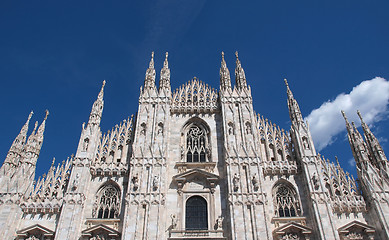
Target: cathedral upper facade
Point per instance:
(195, 163)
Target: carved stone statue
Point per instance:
(174, 220)
(255, 182)
(155, 182)
(290, 236)
(135, 180)
(76, 181)
(219, 222)
(98, 237)
(235, 181)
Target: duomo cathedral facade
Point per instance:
(195, 163)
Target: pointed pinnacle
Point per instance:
(344, 115)
(165, 63)
(151, 64)
(360, 116)
(47, 114)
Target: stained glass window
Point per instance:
(107, 202)
(286, 201)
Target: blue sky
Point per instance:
(55, 55)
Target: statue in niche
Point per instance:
(230, 128)
(254, 181)
(76, 182)
(235, 181)
(160, 129)
(135, 180)
(305, 143)
(174, 220)
(219, 222)
(85, 145)
(143, 129)
(248, 128)
(315, 181)
(155, 182)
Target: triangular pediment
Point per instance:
(293, 227)
(101, 228)
(356, 225)
(195, 173)
(36, 229)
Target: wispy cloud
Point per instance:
(371, 97)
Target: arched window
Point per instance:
(196, 144)
(107, 202)
(196, 214)
(286, 203)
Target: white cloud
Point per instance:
(371, 97)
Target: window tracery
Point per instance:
(286, 201)
(196, 144)
(107, 202)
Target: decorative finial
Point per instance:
(30, 115)
(52, 163)
(222, 54)
(103, 83)
(236, 54)
(344, 114)
(151, 64)
(359, 114)
(152, 54)
(47, 114)
(286, 82)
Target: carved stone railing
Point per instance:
(348, 204)
(279, 167)
(196, 234)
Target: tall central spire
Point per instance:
(374, 146)
(164, 82)
(294, 109)
(97, 108)
(150, 74)
(240, 77)
(225, 79)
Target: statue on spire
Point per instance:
(240, 77)
(164, 82)
(150, 74)
(97, 108)
(225, 79)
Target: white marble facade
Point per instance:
(195, 163)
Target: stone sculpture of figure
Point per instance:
(97, 237)
(155, 182)
(255, 182)
(290, 236)
(85, 145)
(305, 143)
(248, 128)
(219, 222)
(174, 220)
(135, 180)
(160, 129)
(235, 181)
(32, 238)
(230, 129)
(76, 182)
(315, 181)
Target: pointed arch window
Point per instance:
(286, 202)
(196, 214)
(196, 144)
(107, 202)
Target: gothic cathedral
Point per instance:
(195, 163)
